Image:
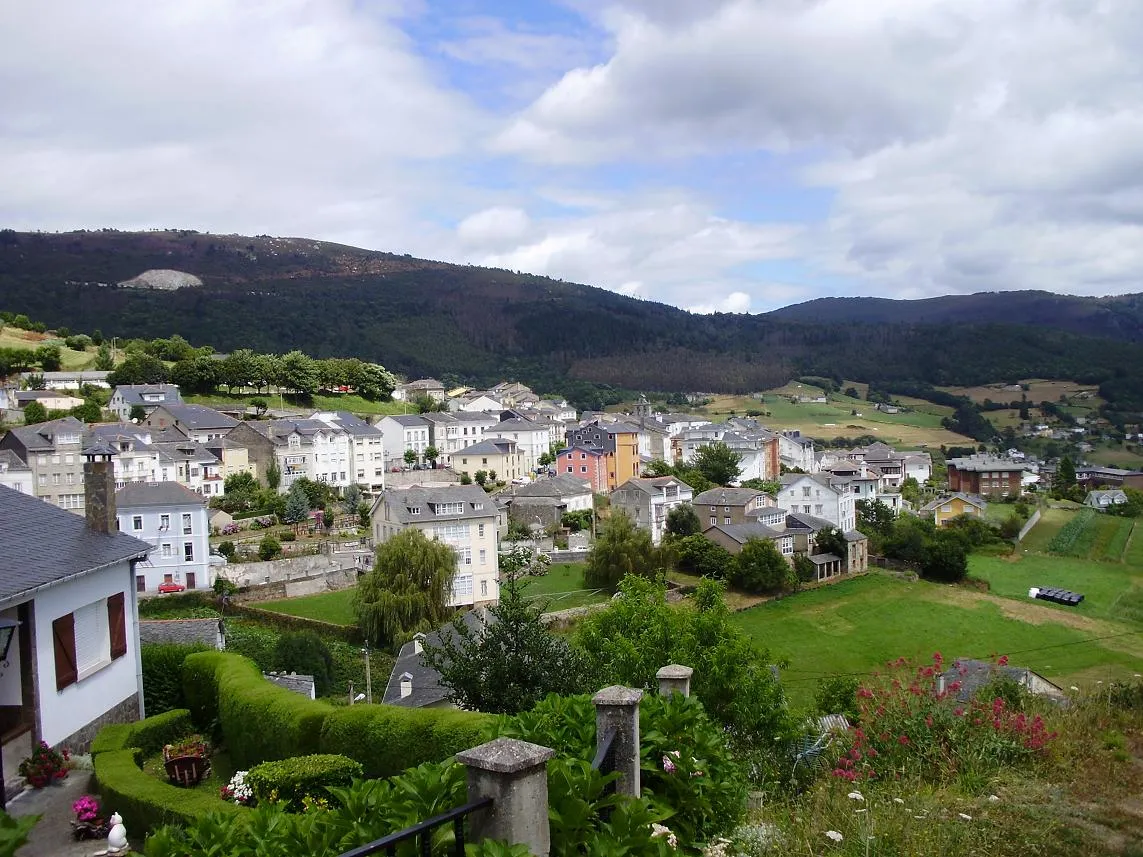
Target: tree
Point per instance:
(273, 475)
(351, 497)
(298, 372)
(945, 558)
(260, 406)
(237, 369)
(766, 486)
(34, 413)
(306, 653)
(718, 463)
(697, 554)
(88, 412)
(760, 567)
(408, 589)
(138, 414)
(875, 518)
(240, 492)
(1065, 479)
(830, 540)
(48, 356)
(510, 663)
(138, 368)
(297, 504)
(481, 476)
(622, 549)
(431, 455)
(269, 547)
(638, 633)
(911, 490)
(196, 374)
(103, 360)
(410, 457)
(683, 521)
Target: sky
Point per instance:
(717, 155)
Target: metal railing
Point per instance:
(423, 833)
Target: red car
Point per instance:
(171, 587)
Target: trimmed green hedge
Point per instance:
(388, 739)
(287, 622)
(295, 780)
(163, 675)
(263, 722)
(146, 802)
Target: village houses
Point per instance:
(173, 520)
(648, 501)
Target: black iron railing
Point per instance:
(604, 762)
(387, 845)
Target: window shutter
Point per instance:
(117, 625)
(63, 635)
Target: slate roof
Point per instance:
(408, 420)
(975, 674)
(12, 462)
(350, 423)
(427, 688)
(401, 500)
(182, 631)
(199, 416)
(495, 446)
(520, 425)
(823, 558)
(971, 499)
(132, 394)
(43, 435)
(806, 523)
(135, 495)
(298, 683)
(726, 497)
(561, 485)
(742, 533)
(979, 463)
(653, 484)
(44, 544)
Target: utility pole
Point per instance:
(351, 693)
(368, 677)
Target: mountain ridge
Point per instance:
(423, 317)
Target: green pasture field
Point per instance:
(335, 607)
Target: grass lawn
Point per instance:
(337, 402)
(335, 607)
(1116, 456)
(13, 337)
(857, 625)
(1105, 585)
(1104, 537)
(562, 587)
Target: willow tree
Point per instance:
(408, 589)
(622, 549)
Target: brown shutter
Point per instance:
(117, 623)
(63, 635)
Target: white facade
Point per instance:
(485, 404)
(532, 439)
(402, 433)
(367, 453)
(103, 682)
(180, 535)
(815, 496)
(797, 452)
(323, 456)
(15, 474)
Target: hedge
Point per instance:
(163, 674)
(300, 778)
(144, 801)
(389, 739)
(263, 722)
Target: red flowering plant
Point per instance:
(45, 765)
(912, 722)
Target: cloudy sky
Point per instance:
(730, 155)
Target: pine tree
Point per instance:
(297, 505)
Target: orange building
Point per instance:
(618, 446)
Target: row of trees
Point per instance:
(294, 372)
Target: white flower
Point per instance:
(898, 800)
(834, 835)
(964, 816)
(1073, 687)
(1099, 682)
(856, 796)
(993, 798)
(663, 830)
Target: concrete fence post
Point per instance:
(674, 678)
(617, 708)
(515, 775)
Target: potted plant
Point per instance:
(44, 766)
(89, 822)
(188, 761)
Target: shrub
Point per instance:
(305, 652)
(163, 675)
(153, 733)
(228, 550)
(200, 688)
(302, 781)
(269, 548)
(387, 739)
(288, 536)
(44, 766)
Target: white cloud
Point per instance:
(734, 302)
(970, 144)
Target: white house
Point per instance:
(72, 664)
(796, 451)
(136, 460)
(14, 473)
(533, 439)
(461, 516)
(74, 379)
(367, 444)
(649, 501)
(173, 520)
(821, 495)
(146, 396)
(403, 432)
(479, 403)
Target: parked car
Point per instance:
(165, 588)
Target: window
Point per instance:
(167, 550)
(140, 583)
(570, 468)
(43, 478)
(186, 525)
(725, 509)
(583, 469)
(71, 501)
(461, 586)
(164, 523)
(484, 588)
(583, 455)
(70, 479)
(188, 552)
(89, 639)
(41, 460)
(483, 557)
(713, 520)
(137, 522)
(726, 520)
(806, 492)
(480, 530)
(806, 509)
(55, 479)
(818, 509)
(714, 508)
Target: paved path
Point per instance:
(51, 837)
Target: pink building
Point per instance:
(584, 463)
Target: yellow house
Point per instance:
(944, 509)
(619, 445)
(495, 455)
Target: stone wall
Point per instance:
(285, 570)
(126, 711)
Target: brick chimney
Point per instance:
(99, 489)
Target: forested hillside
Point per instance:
(479, 324)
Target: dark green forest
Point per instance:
(478, 324)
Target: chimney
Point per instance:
(418, 643)
(99, 489)
(406, 685)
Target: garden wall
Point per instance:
(283, 570)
